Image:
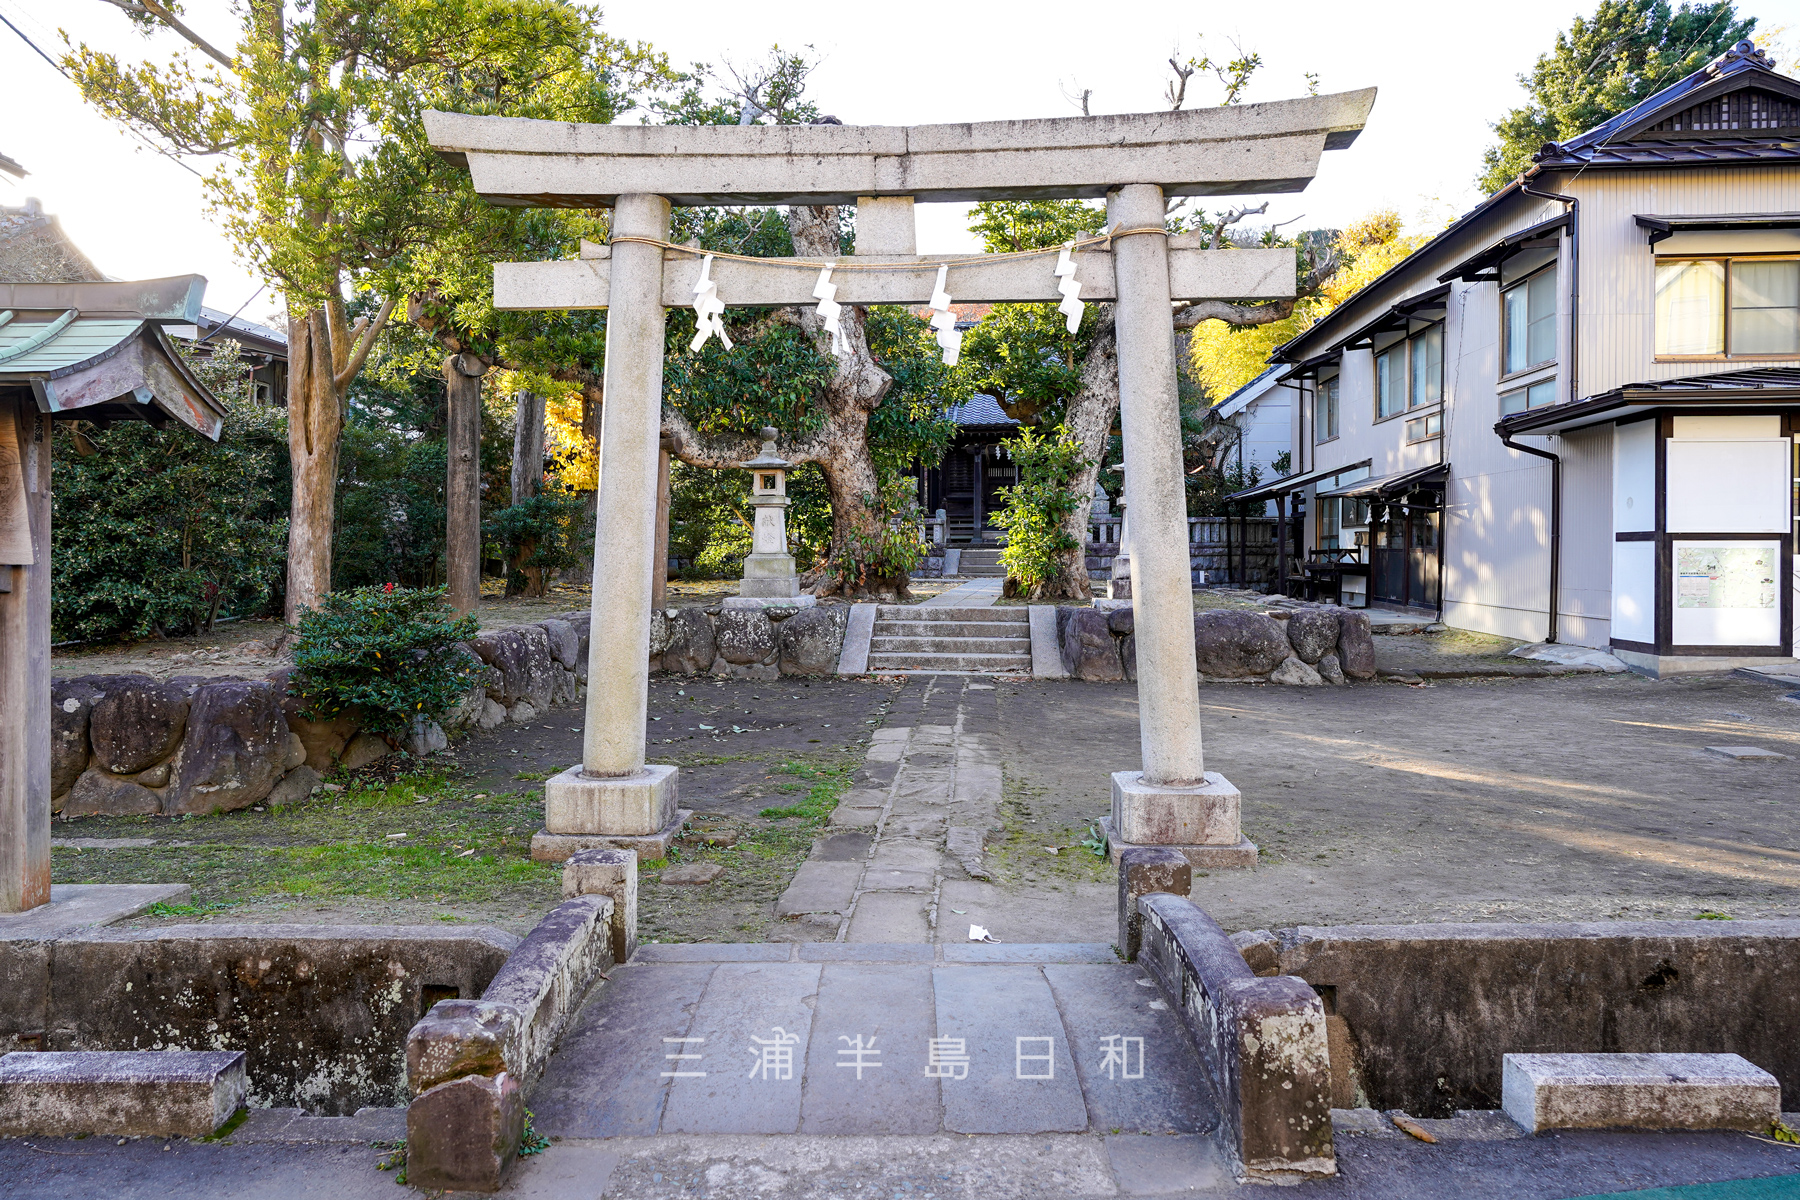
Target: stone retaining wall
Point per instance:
(133, 745)
(1308, 647)
(322, 1012)
(1424, 1013)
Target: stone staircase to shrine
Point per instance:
(977, 641)
(981, 562)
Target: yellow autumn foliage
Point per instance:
(574, 458)
(1226, 357)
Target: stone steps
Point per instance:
(981, 564)
(902, 644)
(951, 639)
(958, 629)
(954, 663)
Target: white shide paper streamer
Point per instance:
(709, 310)
(1072, 304)
(825, 292)
(944, 321)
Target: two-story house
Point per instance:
(1572, 415)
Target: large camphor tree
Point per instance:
(311, 114)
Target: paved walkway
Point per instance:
(724, 1039)
(977, 593)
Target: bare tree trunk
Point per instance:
(528, 479)
(315, 432)
(1088, 418)
(659, 570)
(462, 482)
(528, 447)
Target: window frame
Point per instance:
(1726, 260)
(1526, 390)
(1427, 417)
(1525, 281)
(1335, 383)
(1403, 379)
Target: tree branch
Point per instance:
(365, 343)
(1233, 314)
(151, 10)
(1232, 218)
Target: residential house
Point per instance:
(1572, 415)
(1254, 429)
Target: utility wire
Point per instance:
(59, 70)
(234, 316)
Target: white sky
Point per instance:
(1444, 72)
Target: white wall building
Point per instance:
(1573, 414)
(1261, 415)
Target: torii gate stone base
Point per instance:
(1135, 161)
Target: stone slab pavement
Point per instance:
(848, 1039)
(1375, 1165)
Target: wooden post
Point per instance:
(659, 570)
(980, 516)
(462, 483)
(24, 657)
(1281, 542)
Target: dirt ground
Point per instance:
(1576, 798)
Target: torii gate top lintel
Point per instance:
(1235, 150)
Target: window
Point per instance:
(1535, 396)
(1528, 323)
(1387, 390)
(1325, 410)
(1427, 374)
(1714, 307)
(1428, 426)
(1330, 522)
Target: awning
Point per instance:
(1662, 227)
(1386, 487)
(1428, 306)
(1291, 483)
(1308, 368)
(1773, 389)
(1481, 268)
(98, 351)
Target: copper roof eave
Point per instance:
(142, 377)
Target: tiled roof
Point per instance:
(1758, 380)
(980, 409)
(1723, 150)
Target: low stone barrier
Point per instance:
(1429, 1011)
(469, 1063)
(143, 1093)
(1307, 647)
(750, 642)
(321, 1012)
(1262, 1039)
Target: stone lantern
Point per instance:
(769, 568)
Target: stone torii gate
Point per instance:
(1136, 161)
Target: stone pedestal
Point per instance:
(1200, 822)
(626, 812)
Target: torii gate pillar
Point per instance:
(614, 798)
(1174, 801)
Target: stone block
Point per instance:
(1237, 645)
(1356, 645)
(133, 1093)
(859, 632)
(1331, 670)
(136, 723)
(1150, 814)
(461, 1037)
(743, 636)
(1295, 673)
(812, 640)
(691, 647)
(1142, 871)
(1089, 648)
(1637, 1091)
(71, 704)
(232, 755)
(295, 786)
(362, 750)
(463, 1136)
(635, 806)
(563, 641)
(1046, 650)
(425, 737)
(1262, 953)
(611, 872)
(557, 847)
(548, 976)
(1313, 633)
(97, 793)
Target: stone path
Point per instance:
(826, 1038)
(977, 593)
(905, 846)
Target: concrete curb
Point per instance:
(1046, 648)
(854, 658)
